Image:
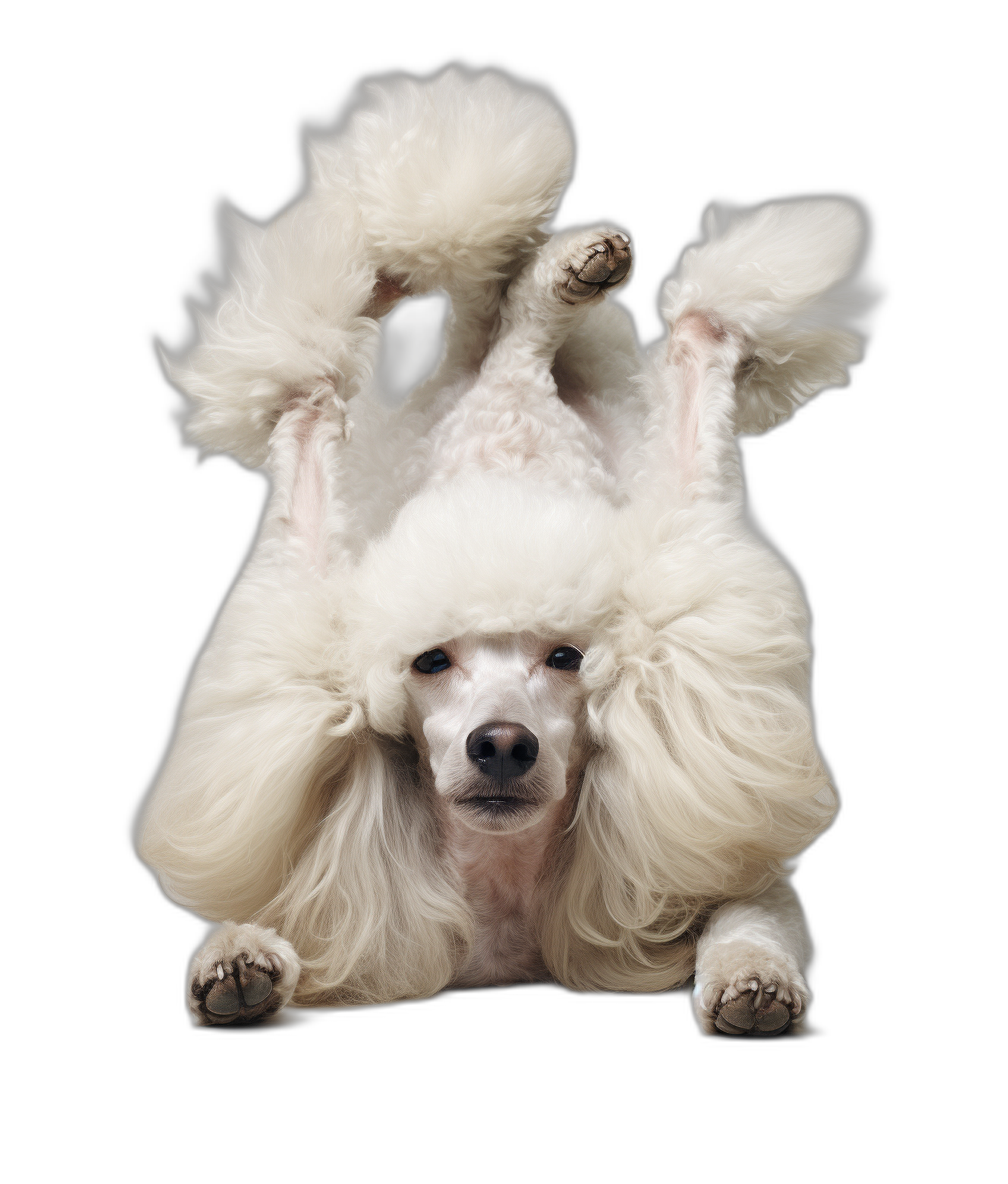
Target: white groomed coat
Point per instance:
(550, 484)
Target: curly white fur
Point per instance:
(548, 484)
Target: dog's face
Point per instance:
(497, 718)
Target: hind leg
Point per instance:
(473, 317)
(551, 295)
(510, 418)
(575, 269)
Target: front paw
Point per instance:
(244, 973)
(743, 989)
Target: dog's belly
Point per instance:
(500, 874)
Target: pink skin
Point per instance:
(307, 500)
(688, 351)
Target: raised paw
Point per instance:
(599, 261)
(244, 973)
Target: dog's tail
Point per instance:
(428, 184)
(774, 275)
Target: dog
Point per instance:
(508, 690)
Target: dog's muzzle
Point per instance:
(503, 753)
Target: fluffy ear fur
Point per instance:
(370, 906)
(258, 742)
(278, 803)
(706, 776)
(442, 183)
(246, 777)
(765, 274)
(273, 808)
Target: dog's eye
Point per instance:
(565, 657)
(432, 662)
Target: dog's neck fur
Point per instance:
(500, 875)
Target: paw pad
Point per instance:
(756, 1012)
(601, 265)
(239, 992)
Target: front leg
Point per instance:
(243, 973)
(749, 964)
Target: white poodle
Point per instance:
(508, 690)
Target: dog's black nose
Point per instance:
(502, 751)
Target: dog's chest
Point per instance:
(500, 875)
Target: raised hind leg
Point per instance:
(511, 418)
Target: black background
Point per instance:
(665, 124)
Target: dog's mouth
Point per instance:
(496, 805)
(507, 800)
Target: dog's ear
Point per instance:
(256, 749)
(370, 906)
(705, 777)
(261, 732)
